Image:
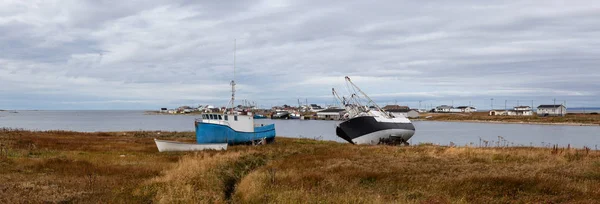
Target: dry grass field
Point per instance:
(125, 167)
(574, 119)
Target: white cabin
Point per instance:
(240, 123)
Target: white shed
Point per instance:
(331, 114)
(551, 110)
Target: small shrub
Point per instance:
(478, 160)
(416, 195)
(574, 157)
(591, 175)
(5, 161)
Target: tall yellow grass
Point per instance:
(125, 167)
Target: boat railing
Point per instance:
(212, 121)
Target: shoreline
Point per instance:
(510, 122)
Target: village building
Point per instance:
(523, 110)
(497, 112)
(408, 113)
(395, 107)
(443, 109)
(331, 114)
(516, 111)
(551, 110)
(466, 109)
(452, 109)
(397, 111)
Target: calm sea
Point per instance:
(443, 133)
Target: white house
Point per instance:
(466, 109)
(443, 109)
(523, 110)
(497, 112)
(516, 111)
(452, 109)
(551, 110)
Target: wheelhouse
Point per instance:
(209, 116)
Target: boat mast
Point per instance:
(336, 96)
(233, 81)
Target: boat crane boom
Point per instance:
(364, 94)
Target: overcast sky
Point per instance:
(151, 54)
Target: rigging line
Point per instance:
(348, 89)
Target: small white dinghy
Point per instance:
(171, 146)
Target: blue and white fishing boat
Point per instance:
(232, 127)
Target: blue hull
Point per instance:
(259, 117)
(215, 133)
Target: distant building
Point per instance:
(397, 111)
(163, 110)
(497, 112)
(395, 107)
(408, 113)
(466, 109)
(331, 114)
(315, 108)
(516, 111)
(443, 109)
(523, 110)
(551, 110)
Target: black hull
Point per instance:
(360, 126)
(283, 116)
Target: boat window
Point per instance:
(212, 117)
(226, 118)
(235, 117)
(220, 117)
(204, 116)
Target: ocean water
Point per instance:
(459, 133)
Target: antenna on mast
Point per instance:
(233, 80)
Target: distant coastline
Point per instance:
(165, 113)
(511, 122)
(573, 119)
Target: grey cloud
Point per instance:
(121, 52)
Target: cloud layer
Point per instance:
(150, 54)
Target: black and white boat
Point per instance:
(364, 125)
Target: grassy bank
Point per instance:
(570, 119)
(119, 167)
